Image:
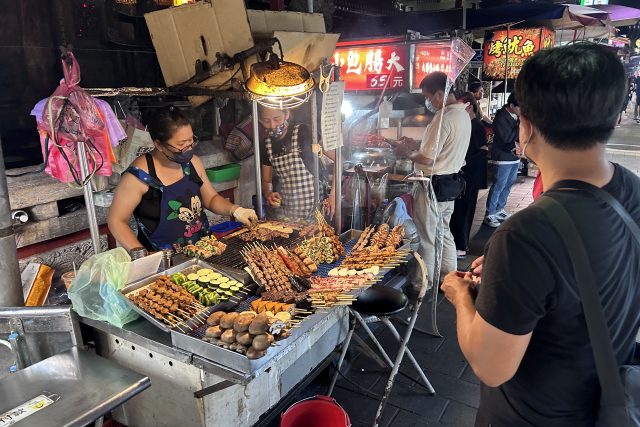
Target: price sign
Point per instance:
(372, 67)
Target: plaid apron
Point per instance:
(296, 181)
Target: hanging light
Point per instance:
(278, 84)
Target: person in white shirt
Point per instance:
(440, 155)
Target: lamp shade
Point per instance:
(279, 84)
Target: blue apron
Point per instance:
(182, 219)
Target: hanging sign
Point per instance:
(427, 59)
(372, 67)
(331, 117)
(517, 48)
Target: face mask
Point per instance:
(182, 158)
(430, 106)
(278, 131)
(524, 152)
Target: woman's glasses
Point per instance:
(192, 142)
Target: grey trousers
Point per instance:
(432, 221)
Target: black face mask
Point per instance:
(181, 158)
(278, 131)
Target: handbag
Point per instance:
(448, 188)
(620, 385)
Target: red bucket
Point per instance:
(319, 411)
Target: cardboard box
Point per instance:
(307, 49)
(182, 35)
(264, 22)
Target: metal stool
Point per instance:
(382, 303)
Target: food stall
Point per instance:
(383, 102)
(198, 375)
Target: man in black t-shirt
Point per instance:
(525, 335)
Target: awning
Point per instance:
(621, 16)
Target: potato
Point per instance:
(262, 342)
(253, 354)
(228, 336)
(213, 332)
(242, 323)
(244, 338)
(214, 319)
(226, 322)
(259, 325)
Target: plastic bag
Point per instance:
(70, 116)
(95, 290)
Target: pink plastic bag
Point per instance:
(70, 116)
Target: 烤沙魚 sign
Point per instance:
(520, 45)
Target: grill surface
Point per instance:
(232, 258)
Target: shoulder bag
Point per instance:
(620, 397)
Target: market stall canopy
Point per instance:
(579, 22)
(621, 16)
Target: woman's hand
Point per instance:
(330, 203)
(274, 199)
(246, 216)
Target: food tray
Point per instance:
(192, 342)
(192, 264)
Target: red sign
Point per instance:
(372, 67)
(429, 58)
(520, 45)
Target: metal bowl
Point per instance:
(374, 157)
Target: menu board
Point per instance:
(331, 117)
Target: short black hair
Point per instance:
(513, 100)
(469, 97)
(165, 121)
(434, 82)
(572, 94)
(475, 86)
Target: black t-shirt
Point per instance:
(278, 146)
(528, 285)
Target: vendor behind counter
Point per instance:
(167, 190)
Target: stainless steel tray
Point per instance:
(236, 361)
(188, 267)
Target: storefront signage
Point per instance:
(372, 67)
(429, 58)
(517, 47)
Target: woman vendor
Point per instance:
(286, 156)
(167, 190)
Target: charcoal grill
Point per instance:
(231, 259)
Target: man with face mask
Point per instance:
(287, 154)
(440, 156)
(523, 328)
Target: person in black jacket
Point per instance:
(475, 175)
(505, 135)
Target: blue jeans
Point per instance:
(501, 187)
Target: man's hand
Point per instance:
(476, 266)
(405, 146)
(456, 286)
(274, 199)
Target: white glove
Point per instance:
(246, 216)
